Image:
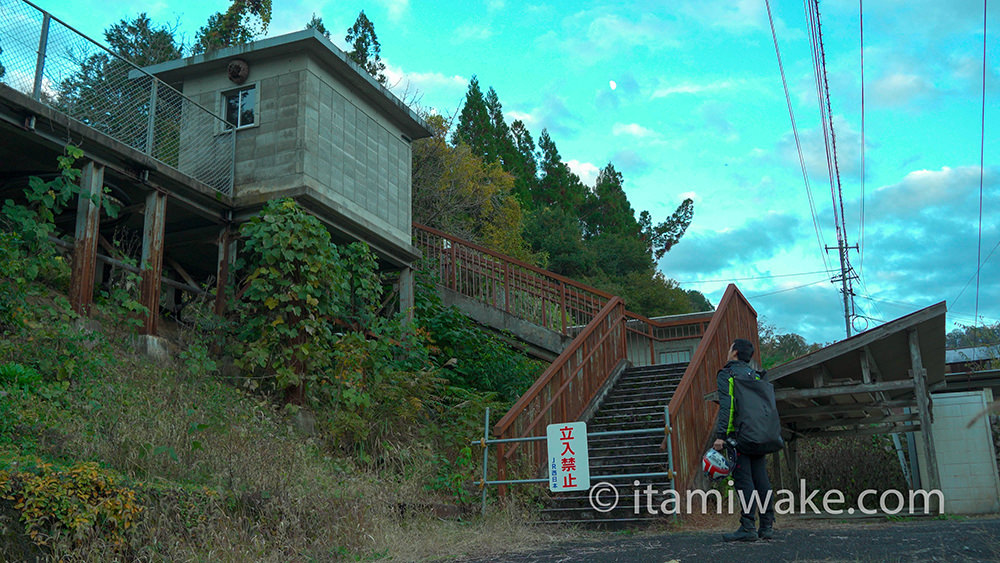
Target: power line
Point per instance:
(798, 143)
(847, 274)
(907, 305)
(758, 277)
(824, 280)
(861, 236)
(982, 144)
(975, 275)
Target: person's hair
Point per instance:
(744, 349)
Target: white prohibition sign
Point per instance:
(597, 491)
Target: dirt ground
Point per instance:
(923, 539)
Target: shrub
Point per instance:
(69, 506)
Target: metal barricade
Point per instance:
(486, 441)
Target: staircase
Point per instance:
(637, 401)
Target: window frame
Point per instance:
(223, 102)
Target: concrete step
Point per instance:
(623, 410)
(652, 376)
(657, 368)
(640, 392)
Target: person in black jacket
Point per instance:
(750, 472)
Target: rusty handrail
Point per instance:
(608, 332)
(512, 260)
(563, 392)
(691, 419)
(495, 281)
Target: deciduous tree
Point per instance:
(240, 24)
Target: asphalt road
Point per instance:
(973, 539)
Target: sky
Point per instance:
(685, 98)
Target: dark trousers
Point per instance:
(749, 475)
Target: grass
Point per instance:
(220, 474)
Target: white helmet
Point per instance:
(717, 465)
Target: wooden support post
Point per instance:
(778, 480)
(406, 299)
(152, 259)
(792, 450)
(866, 370)
(222, 270)
(919, 375)
(88, 224)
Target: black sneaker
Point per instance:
(765, 533)
(742, 534)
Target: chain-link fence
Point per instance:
(44, 58)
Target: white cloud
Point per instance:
(529, 119)
(665, 90)
(898, 88)
(923, 191)
(585, 170)
(472, 32)
(437, 91)
(633, 129)
(395, 8)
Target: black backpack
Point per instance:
(756, 421)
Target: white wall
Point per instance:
(965, 457)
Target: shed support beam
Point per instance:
(152, 259)
(919, 375)
(786, 394)
(88, 225)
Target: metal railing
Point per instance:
(51, 62)
(485, 442)
(692, 419)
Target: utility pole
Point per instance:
(846, 278)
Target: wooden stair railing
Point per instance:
(603, 333)
(563, 391)
(691, 417)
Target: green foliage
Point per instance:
(292, 288)
(984, 337)
(476, 359)
(68, 505)
(453, 476)
(316, 23)
(238, 25)
(26, 254)
(138, 41)
(778, 348)
(365, 48)
(197, 359)
(568, 228)
(18, 375)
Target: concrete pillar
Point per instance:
(152, 259)
(88, 224)
(406, 296)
